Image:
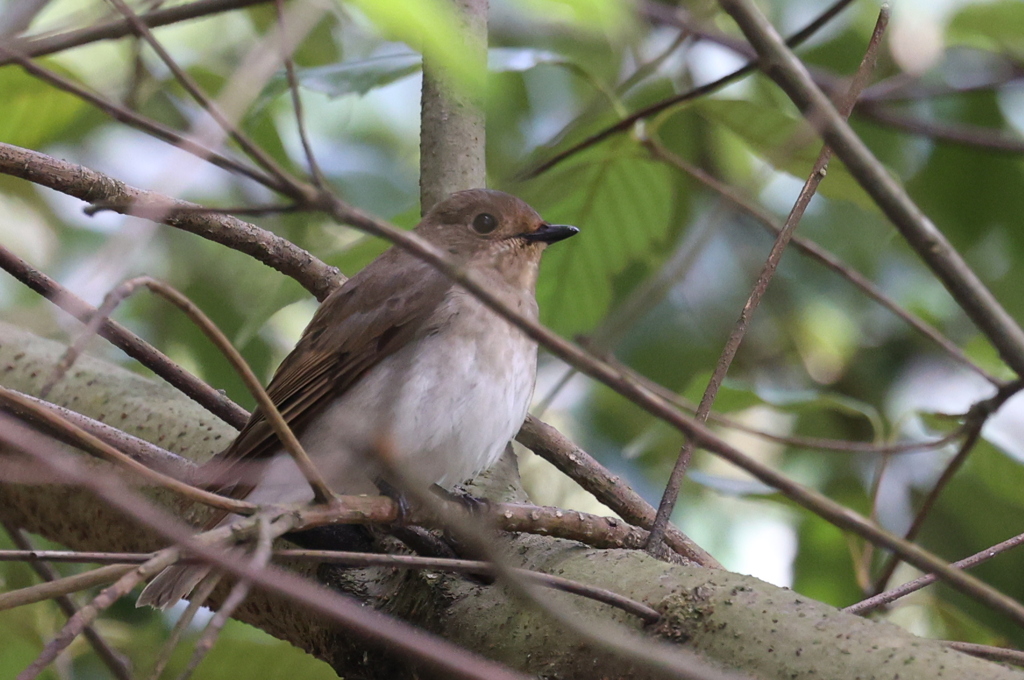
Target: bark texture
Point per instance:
(742, 623)
(452, 134)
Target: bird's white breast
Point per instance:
(444, 406)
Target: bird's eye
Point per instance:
(485, 223)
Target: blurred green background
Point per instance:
(657, 276)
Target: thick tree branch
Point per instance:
(111, 194)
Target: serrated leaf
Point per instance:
(622, 205)
(785, 142)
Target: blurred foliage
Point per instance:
(657, 277)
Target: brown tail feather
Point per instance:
(172, 584)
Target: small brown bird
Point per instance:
(401, 354)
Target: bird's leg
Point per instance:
(388, 489)
(473, 504)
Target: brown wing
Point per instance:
(376, 312)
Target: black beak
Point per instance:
(551, 233)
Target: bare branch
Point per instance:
(632, 387)
(132, 345)
(997, 654)
(100, 448)
(37, 47)
(321, 491)
(780, 64)
(63, 586)
(609, 489)
(228, 126)
(315, 172)
(739, 330)
(95, 187)
(132, 119)
(111, 658)
(965, 135)
(819, 254)
(873, 603)
(697, 92)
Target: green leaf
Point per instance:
(622, 205)
(246, 652)
(807, 402)
(34, 113)
(785, 142)
(997, 26)
(607, 16)
(731, 396)
(360, 76)
(731, 486)
(520, 59)
(431, 27)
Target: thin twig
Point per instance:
(64, 586)
(139, 122)
(815, 443)
(609, 489)
(966, 447)
(110, 194)
(975, 421)
(997, 654)
(816, 252)
(192, 87)
(115, 662)
(196, 600)
(739, 330)
(300, 123)
(151, 455)
(972, 136)
(51, 44)
(882, 599)
(132, 345)
(321, 491)
(72, 556)
(359, 559)
(159, 561)
(355, 559)
(631, 387)
(934, 249)
(261, 556)
(100, 448)
(697, 92)
(87, 614)
(176, 209)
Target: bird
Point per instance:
(399, 353)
